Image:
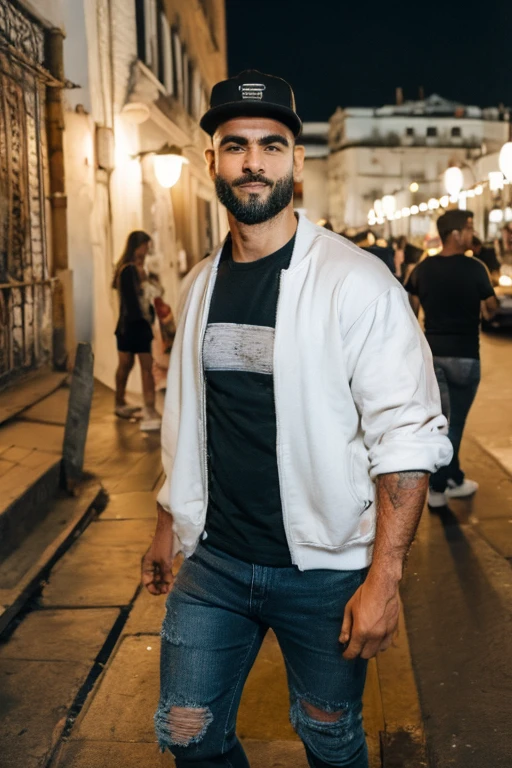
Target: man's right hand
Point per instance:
(157, 574)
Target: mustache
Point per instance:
(252, 178)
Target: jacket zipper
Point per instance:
(204, 323)
(279, 472)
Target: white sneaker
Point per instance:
(436, 499)
(467, 488)
(126, 411)
(151, 421)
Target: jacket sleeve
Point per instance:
(171, 415)
(394, 388)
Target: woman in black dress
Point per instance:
(133, 330)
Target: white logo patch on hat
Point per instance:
(252, 90)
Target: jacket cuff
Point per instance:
(409, 456)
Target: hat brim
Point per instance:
(211, 120)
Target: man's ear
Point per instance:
(298, 161)
(209, 156)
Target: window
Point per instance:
(167, 63)
(178, 65)
(151, 36)
(186, 81)
(431, 131)
(456, 131)
(409, 131)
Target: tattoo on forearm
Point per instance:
(400, 499)
(401, 486)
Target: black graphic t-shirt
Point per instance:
(450, 289)
(244, 507)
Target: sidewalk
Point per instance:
(79, 675)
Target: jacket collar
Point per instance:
(307, 232)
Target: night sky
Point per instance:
(356, 53)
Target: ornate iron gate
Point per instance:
(25, 285)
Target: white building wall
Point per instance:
(315, 198)
(106, 203)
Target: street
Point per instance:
(80, 671)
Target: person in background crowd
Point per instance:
(366, 241)
(504, 244)
(133, 330)
(454, 291)
(487, 255)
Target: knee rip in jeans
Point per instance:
(337, 720)
(181, 726)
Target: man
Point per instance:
(302, 419)
(454, 291)
(487, 256)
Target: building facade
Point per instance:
(314, 199)
(145, 70)
(26, 273)
(403, 151)
(135, 75)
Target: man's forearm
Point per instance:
(400, 501)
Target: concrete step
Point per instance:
(30, 390)
(25, 567)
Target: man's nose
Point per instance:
(254, 160)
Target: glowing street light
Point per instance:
(505, 160)
(453, 180)
(414, 186)
(167, 164)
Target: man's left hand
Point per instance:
(370, 620)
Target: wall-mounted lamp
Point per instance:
(167, 164)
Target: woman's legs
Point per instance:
(148, 382)
(125, 365)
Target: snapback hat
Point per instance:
(251, 94)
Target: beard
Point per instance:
(254, 210)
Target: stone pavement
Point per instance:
(79, 675)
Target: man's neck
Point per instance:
(253, 242)
(451, 250)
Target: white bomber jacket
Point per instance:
(355, 393)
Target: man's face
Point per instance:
(253, 163)
(466, 235)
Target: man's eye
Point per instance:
(234, 148)
(272, 148)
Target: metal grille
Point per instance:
(25, 287)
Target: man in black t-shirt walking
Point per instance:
(454, 291)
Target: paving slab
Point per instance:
(499, 535)
(111, 754)
(102, 568)
(84, 754)
(458, 600)
(130, 506)
(35, 699)
(124, 702)
(263, 713)
(64, 635)
(147, 615)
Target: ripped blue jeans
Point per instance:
(218, 613)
